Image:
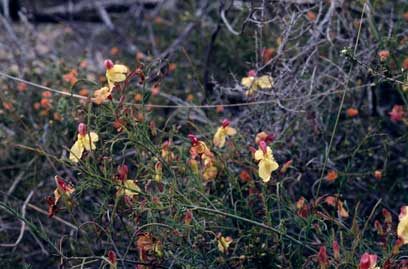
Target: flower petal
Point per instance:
(76, 151)
(259, 155)
(231, 131)
(264, 82)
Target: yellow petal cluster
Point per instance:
(223, 243)
(402, 229)
(117, 73)
(128, 188)
(267, 163)
(101, 95)
(255, 83)
(221, 134)
(84, 142)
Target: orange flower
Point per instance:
(311, 16)
(63, 189)
(405, 64)
(139, 56)
(149, 248)
(83, 64)
(190, 98)
(57, 116)
(267, 54)
(331, 176)
(101, 95)
(45, 103)
(198, 147)
(262, 136)
(21, 86)
(352, 112)
(245, 176)
(172, 67)
(7, 106)
(114, 51)
(46, 94)
(341, 210)
(138, 97)
(71, 77)
(285, 166)
(384, 55)
(377, 174)
(83, 92)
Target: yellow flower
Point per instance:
(254, 83)
(222, 132)
(267, 163)
(85, 141)
(101, 95)
(198, 147)
(115, 73)
(223, 243)
(210, 173)
(166, 152)
(402, 229)
(128, 188)
(159, 171)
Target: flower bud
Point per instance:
(108, 64)
(82, 129)
(225, 123)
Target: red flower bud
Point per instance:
(82, 129)
(108, 64)
(225, 123)
(123, 171)
(387, 216)
(112, 258)
(188, 217)
(367, 261)
(336, 250)
(322, 258)
(194, 139)
(263, 146)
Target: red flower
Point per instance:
(396, 113)
(368, 261)
(322, 257)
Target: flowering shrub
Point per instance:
(142, 163)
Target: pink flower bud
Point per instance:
(387, 216)
(263, 146)
(82, 129)
(322, 257)
(112, 257)
(194, 139)
(251, 73)
(123, 171)
(336, 250)
(225, 123)
(108, 64)
(368, 261)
